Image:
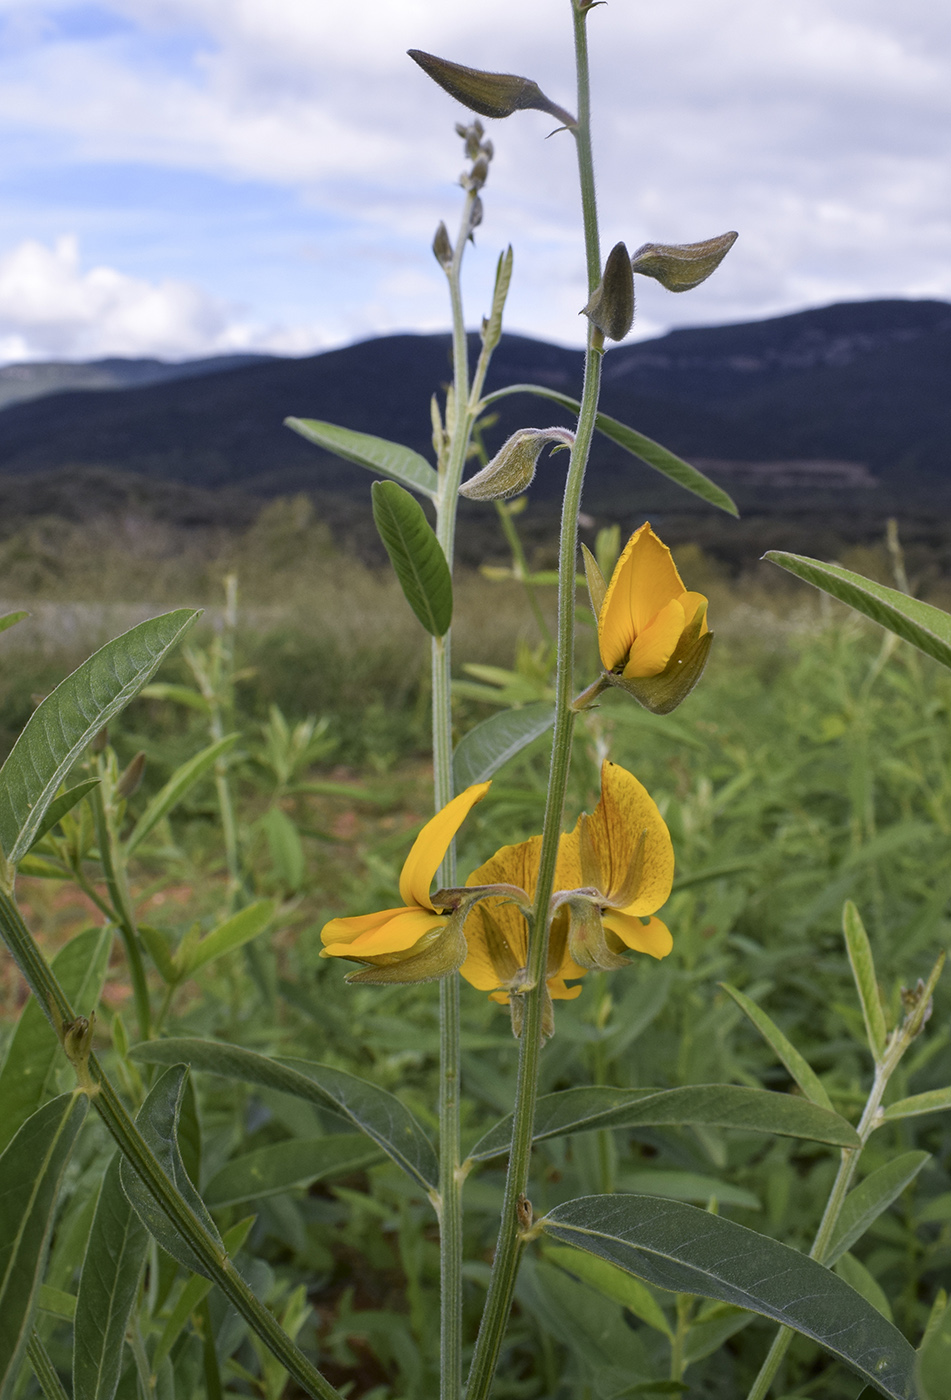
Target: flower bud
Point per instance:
(479, 173)
(132, 777)
(476, 215)
(512, 468)
(682, 266)
(489, 94)
(442, 247)
(663, 693)
(611, 307)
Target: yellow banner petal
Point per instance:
(644, 581)
(432, 843)
(626, 809)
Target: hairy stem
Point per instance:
(508, 1248)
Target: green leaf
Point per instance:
(857, 1276)
(416, 555)
(926, 627)
(489, 745)
(63, 725)
(286, 848)
(233, 933)
(786, 1052)
(33, 1055)
(374, 1111)
(712, 1105)
(157, 1121)
(283, 1165)
(863, 971)
(195, 1291)
(866, 1201)
(108, 1287)
(688, 1186)
(179, 694)
(61, 805)
(663, 461)
(613, 1283)
(934, 1358)
(57, 1302)
(181, 782)
(31, 1172)
(933, 1101)
(11, 619)
(687, 1250)
(376, 454)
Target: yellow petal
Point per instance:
(644, 581)
(559, 992)
(340, 933)
(654, 646)
(432, 843)
(652, 937)
(626, 809)
(402, 931)
(511, 865)
(690, 602)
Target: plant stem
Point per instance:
(848, 1162)
(44, 1370)
(508, 1249)
(55, 1005)
(450, 1182)
(114, 870)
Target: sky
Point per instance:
(184, 178)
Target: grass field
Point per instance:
(811, 766)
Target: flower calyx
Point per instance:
(489, 94)
(611, 307)
(512, 469)
(682, 266)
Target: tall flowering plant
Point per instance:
(526, 926)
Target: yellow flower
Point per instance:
(617, 867)
(652, 633)
(417, 942)
(497, 934)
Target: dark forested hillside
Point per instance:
(799, 410)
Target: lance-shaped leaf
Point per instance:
(233, 933)
(376, 454)
(932, 1101)
(492, 326)
(11, 619)
(865, 1202)
(863, 973)
(682, 266)
(374, 1111)
(282, 1165)
(687, 1250)
(489, 745)
(178, 785)
(61, 727)
(416, 555)
(31, 1172)
(157, 1120)
(934, 1358)
(489, 94)
(34, 1052)
(926, 627)
(644, 448)
(61, 805)
(195, 1291)
(711, 1105)
(802, 1073)
(108, 1287)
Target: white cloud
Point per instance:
(818, 128)
(51, 308)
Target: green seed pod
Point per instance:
(682, 266)
(512, 468)
(611, 307)
(489, 94)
